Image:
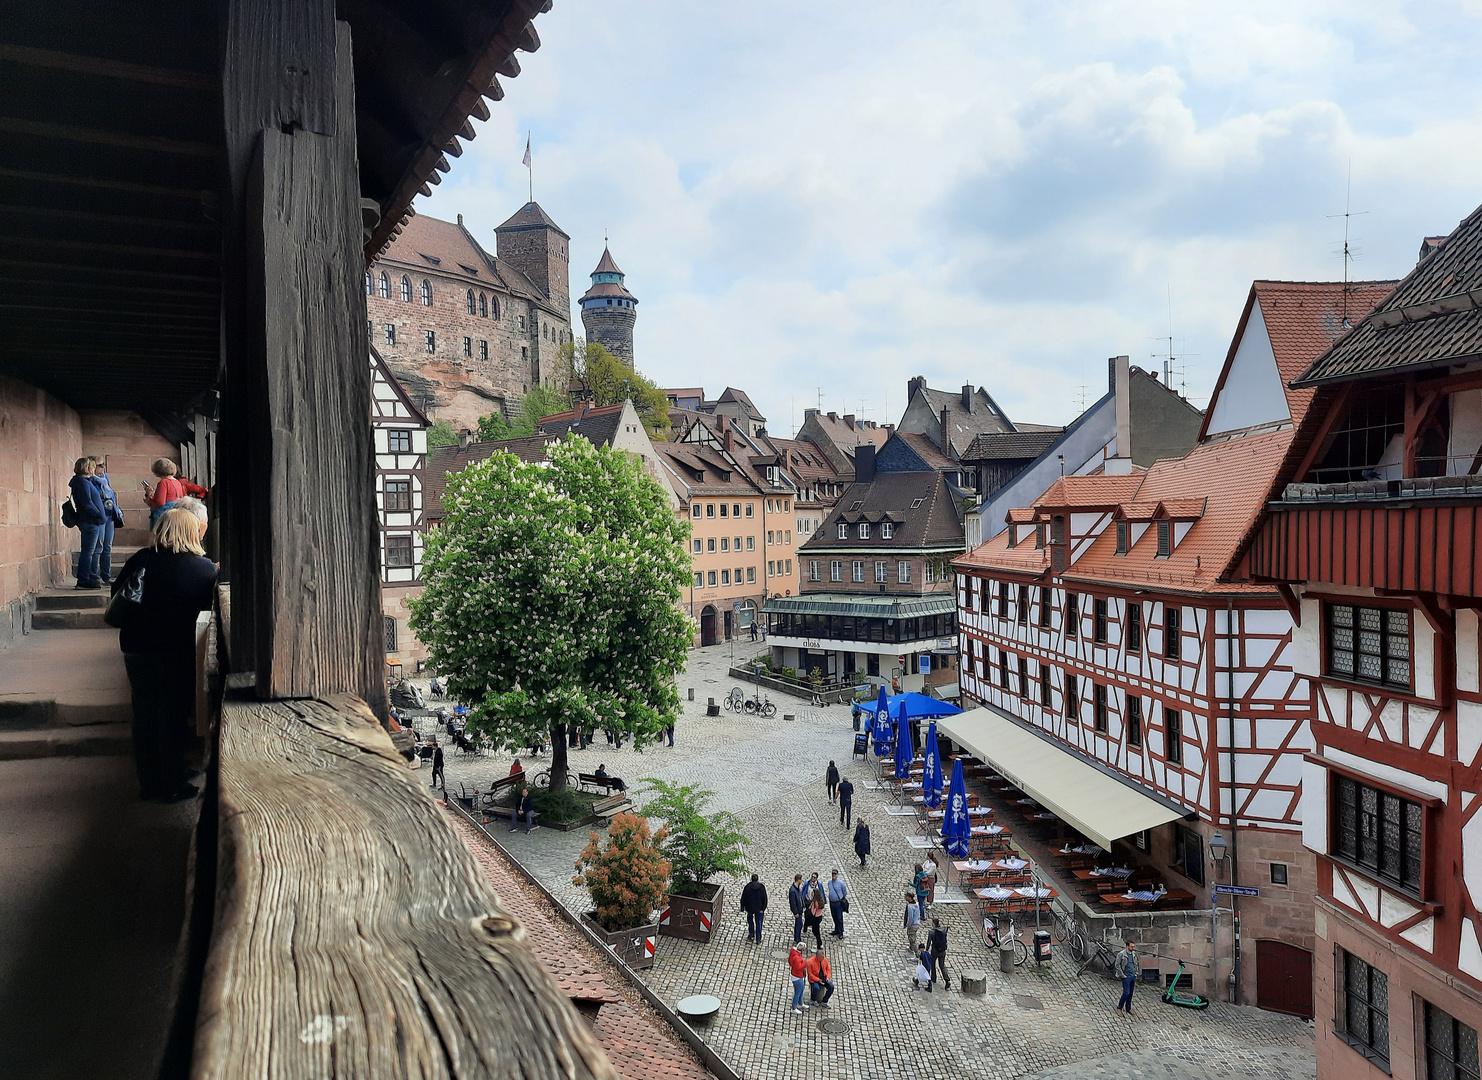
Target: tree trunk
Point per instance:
(558, 757)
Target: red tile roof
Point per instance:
(1231, 480)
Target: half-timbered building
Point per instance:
(1374, 538)
(400, 432)
(1111, 616)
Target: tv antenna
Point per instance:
(1349, 252)
(1167, 358)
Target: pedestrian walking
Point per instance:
(912, 923)
(918, 882)
(524, 808)
(831, 778)
(923, 970)
(670, 731)
(753, 629)
(838, 903)
(799, 905)
(799, 968)
(1127, 970)
(936, 941)
(820, 979)
(861, 841)
(437, 768)
(87, 505)
(754, 903)
(846, 802)
(813, 920)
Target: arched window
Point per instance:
(369, 287)
(494, 307)
(385, 288)
(406, 290)
(426, 294)
(470, 301)
(483, 306)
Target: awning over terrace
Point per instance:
(1100, 804)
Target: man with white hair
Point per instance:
(196, 507)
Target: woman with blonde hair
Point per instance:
(173, 582)
(87, 504)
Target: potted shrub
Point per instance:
(698, 847)
(625, 877)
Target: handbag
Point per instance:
(69, 515)
(844, 905)
(126, 606)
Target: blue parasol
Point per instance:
(882, 725)
(931, 772)
(905, 753)
(955, 823)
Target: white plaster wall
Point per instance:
(1425, 655)
(1252, 393)
(1466, 650)
(1466, 431)
(1307, 640)
(1315, 807)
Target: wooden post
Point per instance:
(297, 460)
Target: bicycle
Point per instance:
(543, 779)
(735, 699)
(759, 706)
(1104, 956)
(1068, 932)
(994, 940)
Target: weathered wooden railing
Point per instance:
(354, 934)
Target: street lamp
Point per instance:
(1218, 847)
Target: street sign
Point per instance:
(923, 664)
(1237, 890)
(736, 604)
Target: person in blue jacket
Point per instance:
(113, 518)
(87, 503)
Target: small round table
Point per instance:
(698, 1008)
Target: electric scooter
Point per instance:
(1171, 996)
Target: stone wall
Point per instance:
(1164, 939)
(40, 439)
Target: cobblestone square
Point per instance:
(770, 773)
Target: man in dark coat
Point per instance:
(846, 802)
(861, 841)
(936, 942)
(831, 778)
(754, 903)
(437, 768)
(524, 808)
(798, 905)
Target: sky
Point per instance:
(818, 201)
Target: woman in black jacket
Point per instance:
(158, 643)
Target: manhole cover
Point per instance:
(779, 954)
(835, 1027)
(1028, 1001)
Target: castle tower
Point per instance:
(537, 247)
(608, 310)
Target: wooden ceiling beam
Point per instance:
(93, 218)
(159, 144)
(204, 196)
(56, 60)
(125, 271)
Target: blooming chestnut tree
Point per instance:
(551, 595)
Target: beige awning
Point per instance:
(1102, 807)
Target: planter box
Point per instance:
(634, 947)
(692, 918)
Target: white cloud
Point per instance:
(834, 195)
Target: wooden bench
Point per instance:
(606, 783)
(608, 808)
(485, 801)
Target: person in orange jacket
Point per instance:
(820, 979)
(799, 968)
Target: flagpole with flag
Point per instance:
(530, 172)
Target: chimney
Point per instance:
(833, 417)
(460, 220)
(946, 432)
(864, 463)
(1121, 380)
(809, 414)
(464, 438)
(967, 397)
(849, 421)
(918, 383)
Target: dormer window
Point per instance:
(1165, 539)
(864, 530)
(1013, 537)
(1039, 537)
(887, 530)
(843, 531)
(1122, 531)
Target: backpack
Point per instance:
(69, 515)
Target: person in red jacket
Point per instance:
(799, 968)
(170, 487)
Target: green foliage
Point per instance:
(551, 597)
(535, 406)
(563, 806)
(815, 676)
(609, 381)
(790, 673)
(626, 875)
(698, 847)
(441, 434)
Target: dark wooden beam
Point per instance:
(57, 60)
(12, 125)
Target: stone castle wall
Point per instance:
(612, 328)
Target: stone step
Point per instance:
(59, 679)
(71, 599)
(90, 741)
(73, 619)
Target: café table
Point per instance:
(1011, 863)
(1036, 893)
(994, 892)
(972, 812)
(1043, 815)
(1122, 872)
(1144, 894)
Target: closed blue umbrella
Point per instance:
(931, 772)
(905, 753)
(956, 826)
(881, 720)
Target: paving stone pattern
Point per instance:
(770, 773)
